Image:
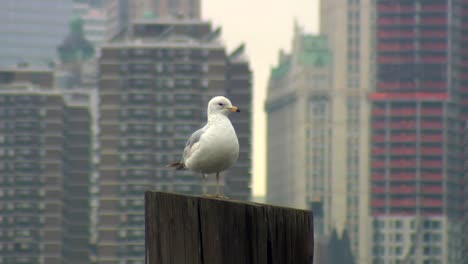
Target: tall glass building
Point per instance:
(31, 30)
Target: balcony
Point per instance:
(403, 151)
(378, 177)
(409, 202)
(378, 151)
(403, 138)
(432, 138)
(432, 177)
(378, 164)
(395, 21)
(432, 111)
(433, 34)
(432, 164)
(395, 8)
(432, 125)
(378, 189)
(378, 203)
(441, 20)
(378, 138)
(434, 59)
(396, 34)
(403, 125)
(434, 8)
(432, 151)
(396, 59)
(432, 203)
(378, 111)
(403, 177)
(403, 112)
(403, 189)
(403, 163)
(395, 47)
(432, 189)
(378, 125)
(434, 46)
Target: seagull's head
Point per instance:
(221, 105)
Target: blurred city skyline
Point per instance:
(356, 110)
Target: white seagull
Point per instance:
(215, 147)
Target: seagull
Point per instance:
(215, 147)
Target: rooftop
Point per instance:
(314, 51)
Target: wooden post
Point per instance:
(199, 230)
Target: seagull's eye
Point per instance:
(220, 104)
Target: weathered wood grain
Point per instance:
(200, 230)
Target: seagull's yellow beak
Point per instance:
(234, 109)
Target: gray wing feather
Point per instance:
(194, 138)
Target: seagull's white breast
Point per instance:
(217, 150)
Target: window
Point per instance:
(378, 251)
(398, 237)
(398, 224)
(398, 251)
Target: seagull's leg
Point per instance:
(217, 184)
(203, 178)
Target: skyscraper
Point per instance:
(464, 253)
(300, 127)
(294, 135)
(154, 88)
(168, 8)
(318, 133)
(78, 140)
(122, 13)
(117, 12)
(348, 25)
(31, 36)
(464, 116)
(416, 169)
(44, 200)
(94, 23)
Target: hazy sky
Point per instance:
(265, 26)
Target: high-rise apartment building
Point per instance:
(154, 88)
(44, 200)
(31, 36)
(122, 13)
(78, 166)
(416, 167)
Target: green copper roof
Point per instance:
(314, 51)
(75, 47)
(281, 70)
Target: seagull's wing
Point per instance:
(193, 143)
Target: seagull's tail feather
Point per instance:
(177, 165)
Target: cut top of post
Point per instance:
(202, 230)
